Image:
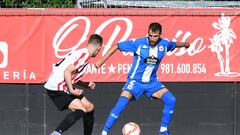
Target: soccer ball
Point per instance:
(131, 128)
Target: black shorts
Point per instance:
(61, 99)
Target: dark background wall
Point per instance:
(201, 109)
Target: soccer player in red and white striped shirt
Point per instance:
(60, 86)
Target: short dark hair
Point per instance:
(155, 26)
(95, 39)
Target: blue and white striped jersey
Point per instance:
(146, 59)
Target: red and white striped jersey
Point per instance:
(79, 59)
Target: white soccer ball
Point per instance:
(131, 128)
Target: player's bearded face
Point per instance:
(153, 37)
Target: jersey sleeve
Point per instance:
(128, 46)
(171, 45)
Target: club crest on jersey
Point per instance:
(151, 60)
(161, 48)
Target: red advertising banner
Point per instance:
(30, 45)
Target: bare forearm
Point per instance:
(182, 44)
(109, 53)
(68, 79)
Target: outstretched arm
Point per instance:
(109, 53)
(182, 44)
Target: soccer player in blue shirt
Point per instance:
(142, 78)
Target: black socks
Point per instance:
(88, 121)
(69, 120)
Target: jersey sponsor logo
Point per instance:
(151, 60)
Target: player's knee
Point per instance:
(90, 108)
(79, 108)
(76, 106)
(126, 94)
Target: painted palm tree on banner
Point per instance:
(224, 37)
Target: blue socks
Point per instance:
(119, 107)
(169, 103)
